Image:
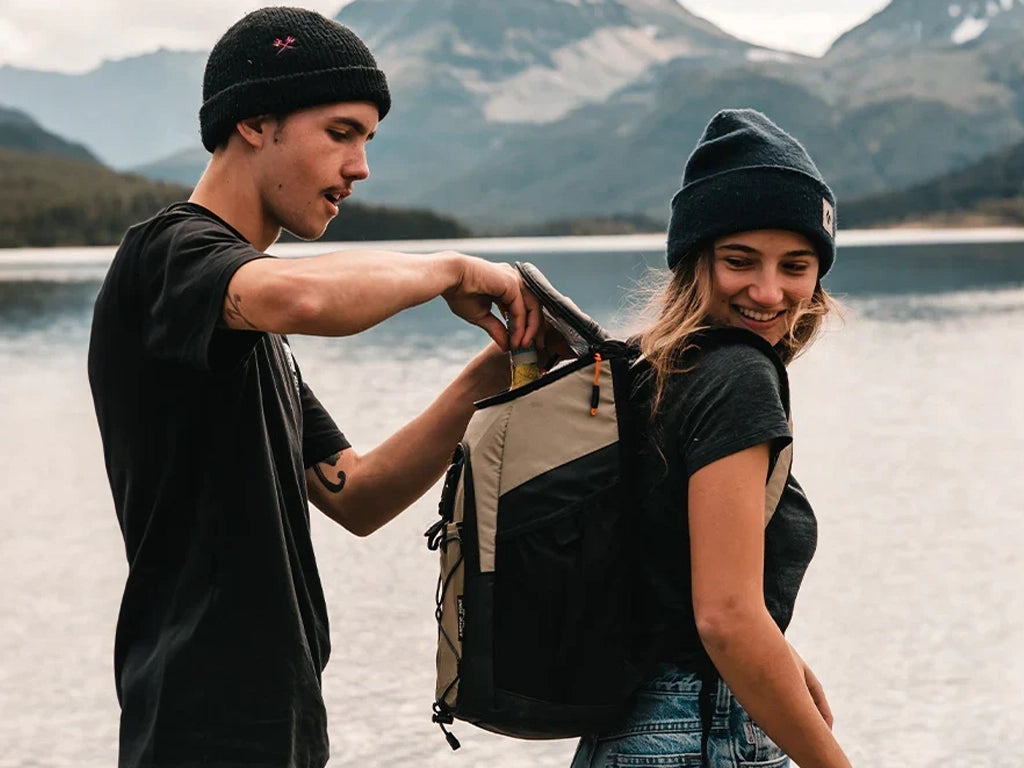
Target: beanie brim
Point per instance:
(287, 93)
(753, 198)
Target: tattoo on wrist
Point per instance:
(333, 487)
(233, 310)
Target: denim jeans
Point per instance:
(663, 729)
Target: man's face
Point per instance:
(309, 161)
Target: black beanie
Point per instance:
(276, 60)
(746, 173)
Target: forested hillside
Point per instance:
(47, 200)
(989, 192)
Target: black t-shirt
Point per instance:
(222, 634)
(731, 400)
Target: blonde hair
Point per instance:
(679, 309)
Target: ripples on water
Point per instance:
(909, 444)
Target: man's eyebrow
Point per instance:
(357, 125)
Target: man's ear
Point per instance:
(254, 130)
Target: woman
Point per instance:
(751, 234)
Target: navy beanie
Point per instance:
(746, 173)
(277, 60)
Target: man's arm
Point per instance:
(362, 493)
(343, 293)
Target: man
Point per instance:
(212, 439)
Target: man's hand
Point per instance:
(483, 283)
(552, 347)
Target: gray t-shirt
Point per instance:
(735, 397)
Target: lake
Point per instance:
(910, 445)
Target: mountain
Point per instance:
(627, 155)
(501, 126)
(915, 25)
(928, 86)
(182, 167)
(529, 61)
(990, 191)
(129, 111)
(19, 131)
(39, 207)
(471, 79)
(536, 110)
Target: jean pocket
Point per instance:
(758, 750)
(753, 747)
(778, 762)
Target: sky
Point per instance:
(77, 35)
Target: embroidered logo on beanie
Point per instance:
(828, 217)
(284, 45)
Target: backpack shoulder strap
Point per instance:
(776, 485)
(777, 480)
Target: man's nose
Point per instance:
(357, 167)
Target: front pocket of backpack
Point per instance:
(559, 579)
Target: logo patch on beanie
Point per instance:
(287, 44)
(828, 217)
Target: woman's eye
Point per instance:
(796, 268)
(337, 135)
(736, 262)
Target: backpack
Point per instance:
(532, 601)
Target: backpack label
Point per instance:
(460, 613)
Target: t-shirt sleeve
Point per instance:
(189, 268)
(321, 437)
(732, 402)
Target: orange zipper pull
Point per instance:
(595, 393)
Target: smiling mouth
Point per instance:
(333, 199)
(760, 317)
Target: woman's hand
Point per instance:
(813, 687)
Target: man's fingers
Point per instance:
(517, 319)
(534, 317)
(495, 329)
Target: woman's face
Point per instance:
(759, 279)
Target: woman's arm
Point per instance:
(726, 519)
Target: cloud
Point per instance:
(791, 25)
(76, 36)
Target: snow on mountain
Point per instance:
(583, 72)
(968, 29)
(905, 25)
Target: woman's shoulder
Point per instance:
(730, 354)
(728, 369)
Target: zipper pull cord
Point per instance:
(441, 717)
(595, 393)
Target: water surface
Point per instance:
(910, 439)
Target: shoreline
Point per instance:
(100, 255)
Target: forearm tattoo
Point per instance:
(233, 310)
(333, 487)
